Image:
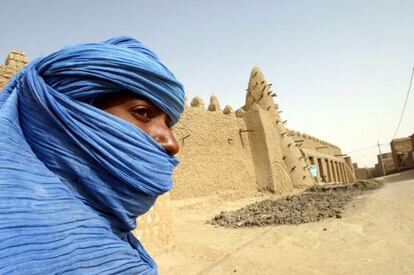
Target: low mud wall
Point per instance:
(214, 153)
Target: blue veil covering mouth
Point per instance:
(74, 178)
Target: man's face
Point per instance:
(144, 115)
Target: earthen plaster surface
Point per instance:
(214, 154)
(14, 62)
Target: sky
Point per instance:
(341, 69)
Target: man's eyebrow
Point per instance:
(137, 102)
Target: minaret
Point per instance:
(279, 163)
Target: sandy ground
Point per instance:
(374, 236)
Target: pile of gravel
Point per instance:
(312, 205)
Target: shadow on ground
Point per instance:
(406, 175)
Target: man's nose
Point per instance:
(166, 139)
(169, 142)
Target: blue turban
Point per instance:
(73, 178)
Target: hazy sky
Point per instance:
(341, 68)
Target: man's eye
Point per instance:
(141, 112)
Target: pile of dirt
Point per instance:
(312, 205)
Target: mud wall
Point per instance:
(331, 164)
(366, 173)
(15, 60)
(155, 229)
(214, 153)
(313, 143)
(270, 167)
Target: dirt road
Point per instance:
(374, 236)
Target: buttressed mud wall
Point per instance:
(332, 165)
(214, 152)
(250, 149)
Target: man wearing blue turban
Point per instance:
(75, 170)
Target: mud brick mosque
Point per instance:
(222, 150)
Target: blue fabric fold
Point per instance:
(74, 178)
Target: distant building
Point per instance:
(365, 173)
(400, 158)
(377, 170)
(388, 163)
(403, 153)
